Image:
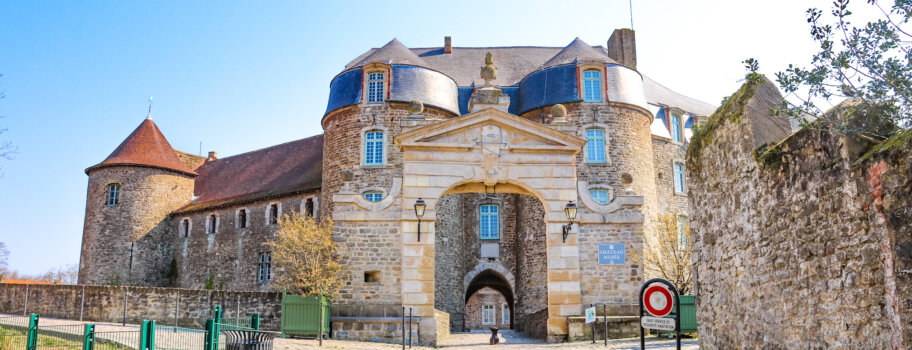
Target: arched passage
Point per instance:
(478, 296)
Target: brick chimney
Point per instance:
(213, 155)
(447, 45)
(622, 47)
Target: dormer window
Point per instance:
(677, 133)
(112, 196)
(376, 87)
(592, 85)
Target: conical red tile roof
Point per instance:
(146, 146)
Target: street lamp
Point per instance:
(420, 205)
(570, 210)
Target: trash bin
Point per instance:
(236, 339)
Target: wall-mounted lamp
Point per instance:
(420, 205)
(570, 210)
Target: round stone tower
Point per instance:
(126, 238)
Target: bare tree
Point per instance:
(668, 256)
(305, 256)
(4, 261)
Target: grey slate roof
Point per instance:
(516, 62)
(660, 95)
(392, 53)
(578, 50)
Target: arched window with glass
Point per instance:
(112, 195)
(373, 147)
(595, 145)
(592, 85)
(376, 83)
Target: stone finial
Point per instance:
(558, 113)
(416, 107)
(488, 72)
(626, 182)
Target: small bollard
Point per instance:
(494, 338)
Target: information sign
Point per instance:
(590, 315)
(659, 323)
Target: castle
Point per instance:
(501, 144)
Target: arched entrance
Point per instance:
(493, 241)
(456, 167)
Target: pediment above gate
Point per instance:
(490, 129)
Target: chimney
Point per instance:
(212, 155)
(622, 47)
(447, 45)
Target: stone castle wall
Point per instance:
(230, 255)
(802, 247)
(147, 196)
(665, 154)
(189, 308)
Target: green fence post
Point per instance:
(217, 314)
(151, 335)
(88, 342)
(32, 341)
(147, 335)
(255, 321)
(210, 330)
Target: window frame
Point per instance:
(677, 128)
(238, 222)
(186, 224)
(484, 308)
(112, 201)
(212, 221)
(370, 95)
(481, 221)
(596, 152)
(679, 179)
(595, 198)
(586, 81)
(264, 267)
(505, 317)
(270, 220)
(365, 143)
(372, 192)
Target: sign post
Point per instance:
(590, 318)
(658, 298)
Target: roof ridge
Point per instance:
(268, 147)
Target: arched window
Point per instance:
(489, 221)
(211, 223)
(376, 83)
(599, 195)
(112, 195)
(592, 85)
(595, 145)
(373, 196)
(373, 147)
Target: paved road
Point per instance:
(459, 341)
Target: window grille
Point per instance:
(592, 86)
(595, 145)
(373, 148)
(373, 196)
(375, 87)
(489, 221)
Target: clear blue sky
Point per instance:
(238, 76)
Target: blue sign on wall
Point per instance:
(612, 254)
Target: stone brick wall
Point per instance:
(665, 154)
(106, 304)
(147, 196)
(230, 255)
(531, 263)
(616, 285)
(485, 296)
(805, 241)
(374, 247)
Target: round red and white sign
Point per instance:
(658, 301)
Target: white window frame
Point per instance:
(212, 223)
(366, 193)
(481, 214)
(679, 180)
(493, 317)
(598, 84)
(116, 197)
(364, 145)
(237, 218)
(592, 156)
(595, 198)
(506, 314)
(313, 201)
(269, 212)
(372, 96)
(264, 268)
(182, 231)
(677, 127)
